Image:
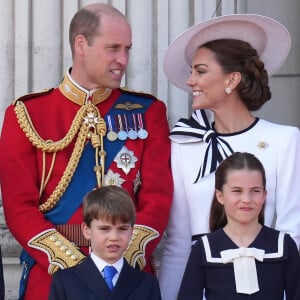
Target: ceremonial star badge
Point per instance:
(112, 178)
(125, 160)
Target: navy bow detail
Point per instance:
(199, 127)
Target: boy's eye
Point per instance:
(104, 228)
(124, 228)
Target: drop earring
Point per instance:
(228, 90)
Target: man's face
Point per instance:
(104, 61)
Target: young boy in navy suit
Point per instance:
(108, 219)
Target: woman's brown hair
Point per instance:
(239, 56)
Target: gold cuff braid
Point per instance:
(60, 251)
(135, 253)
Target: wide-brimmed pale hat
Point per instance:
(270, 38)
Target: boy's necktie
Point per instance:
(109, 273)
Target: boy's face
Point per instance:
(108, 241)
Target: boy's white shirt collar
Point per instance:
(100, 263)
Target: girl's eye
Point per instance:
(256, 191)
(236, 191)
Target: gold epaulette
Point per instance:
(135, 253)
(32, 95)
(60, 251)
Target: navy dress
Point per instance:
(279, 271)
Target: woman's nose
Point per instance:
(191, 81)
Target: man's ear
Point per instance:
(79, 44)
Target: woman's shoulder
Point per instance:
(276, 127)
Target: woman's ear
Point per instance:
(233, 80)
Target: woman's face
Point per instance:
(207, 81)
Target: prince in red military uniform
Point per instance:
(59, 144)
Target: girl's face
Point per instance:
(207, 80)
(108, 241)
(243, 196)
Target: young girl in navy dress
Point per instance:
(241, 258)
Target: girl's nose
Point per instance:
(246, 198)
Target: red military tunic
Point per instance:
(24, 169)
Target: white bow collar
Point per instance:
(245, 273)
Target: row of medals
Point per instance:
(132, 132)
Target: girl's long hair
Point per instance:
(237, 161)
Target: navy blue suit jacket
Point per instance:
(84, 281)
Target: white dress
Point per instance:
(278, 148)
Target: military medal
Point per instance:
(122, 134)
(111, 135)
(142, 133)
(132, 134)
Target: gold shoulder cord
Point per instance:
(83, 117)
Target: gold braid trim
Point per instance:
(135, 253)
(44, 180)
(48, 146)
(60, 251)
(68, 173)
(81, 118)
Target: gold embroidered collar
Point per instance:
(79, 95)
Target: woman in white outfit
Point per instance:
(225, 63)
